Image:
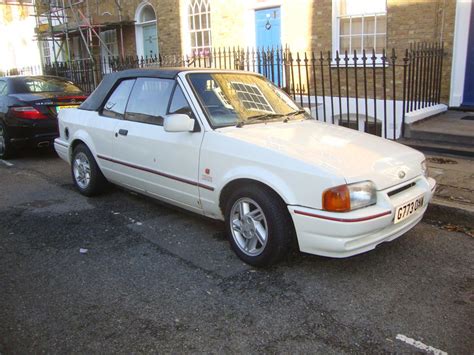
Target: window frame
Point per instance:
(160, 119)
(100, 111)
(194, 116)
(249, 93)
(46, 52)
(176, 86)
(17, 2)
(193, 32)
(203, 107)
(36, 81)
(4, 90)
(117, 84)
(109, 45)
(336, 37)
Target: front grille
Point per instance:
(401, 189)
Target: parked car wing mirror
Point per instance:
(178, 122)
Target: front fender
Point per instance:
(261, 175)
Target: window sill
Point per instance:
(360, 63)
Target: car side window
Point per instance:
(149, 100)
(115, 105)
(3, 88)
(179, 103)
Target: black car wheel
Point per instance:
(259, 227)
(86, 174)
(6, 149)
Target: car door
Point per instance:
(103, 129)
(165, 163)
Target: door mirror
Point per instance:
(178, 122)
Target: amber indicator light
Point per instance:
(337, 199)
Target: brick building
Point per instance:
(186, 27)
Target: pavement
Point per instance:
(453, 203)
(121, 273)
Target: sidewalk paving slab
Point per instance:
(453, 202)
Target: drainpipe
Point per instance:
(119, 7)
(443, 10)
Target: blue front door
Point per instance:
(268, 36)
(468, 97)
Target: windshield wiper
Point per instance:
(268, 116)
(262, 117)
(293, 113)
(297, 112)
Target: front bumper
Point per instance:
(342, 235)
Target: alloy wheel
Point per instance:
(82, 170)
(249, 226)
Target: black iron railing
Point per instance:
(369, 91)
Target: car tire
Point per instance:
(6, 149)
(258, 225)
(85, 172)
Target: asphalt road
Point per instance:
(156, 279)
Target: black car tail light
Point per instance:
(28, 112)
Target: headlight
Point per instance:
(346, 198)
(424, 168)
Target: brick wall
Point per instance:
(408, 22)
(107, 13)
(411, 21)
(306, 25)
(168, 24)
(228, 24)
(321, 25)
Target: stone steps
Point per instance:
(447, 133)
(466, 150)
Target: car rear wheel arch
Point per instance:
(73, 146)
(96, 181)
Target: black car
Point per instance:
(29, 106)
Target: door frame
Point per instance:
(139, 29)
(460, 46)
(250, 18)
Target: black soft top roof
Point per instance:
(95, 100)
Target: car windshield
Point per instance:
(45, 84)
(240, 99)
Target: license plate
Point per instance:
(407, 209)
(58, 108)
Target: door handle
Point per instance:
(123, 132)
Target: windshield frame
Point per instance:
(204, 108)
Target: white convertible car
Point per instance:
(231, 146)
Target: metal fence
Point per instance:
(368, 91)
